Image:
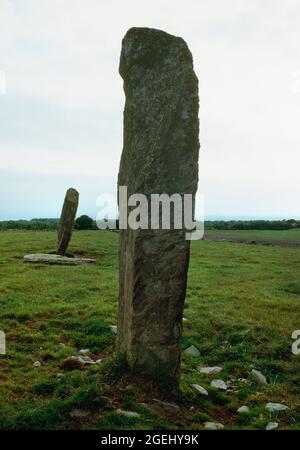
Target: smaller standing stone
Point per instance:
(192, 351)
(113, 328)
(272, 426)
(200, 389)
(67, 220)
(259, 377)
(219, 384)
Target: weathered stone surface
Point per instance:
(160, 155)
(67, 220)
(45, 258)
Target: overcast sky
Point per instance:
(61, 115)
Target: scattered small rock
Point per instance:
(272, 426)
(79, 413)
(86, 360)
(59, 375)
(276, 407)
(168, 407)
(61, 344)
(219, 384)
(259, 377)
(98, 361)
(243, 409)
(210, 370)
(200, 389)
(37, 364)
(192, 350)
(213, 426)
(114, 328)
(127, 413)
(84, 351)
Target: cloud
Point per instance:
(62, 113)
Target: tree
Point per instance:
(84, 223)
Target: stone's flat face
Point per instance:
(44, 258)
(67, 220)
(160, 155)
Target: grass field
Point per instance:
(271, 236)
(242, 305)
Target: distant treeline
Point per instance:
(87, 223)
(34, 224)
(252, 224)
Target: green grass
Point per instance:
(242, 305)
(274, 235)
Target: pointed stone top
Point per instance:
(72, 195)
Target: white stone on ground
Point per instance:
(37, 364)
(86, 360)
(84, 351)
(192, 350)
(114, 328)
(200, 389)
(219, 384)
(44, 258)
(272, 426)
(243, 409)
(276, 407)
(210, 370)
(213, 426)
(127, 413)
(259, 377)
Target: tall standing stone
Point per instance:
(160, 155)
(67, 220)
